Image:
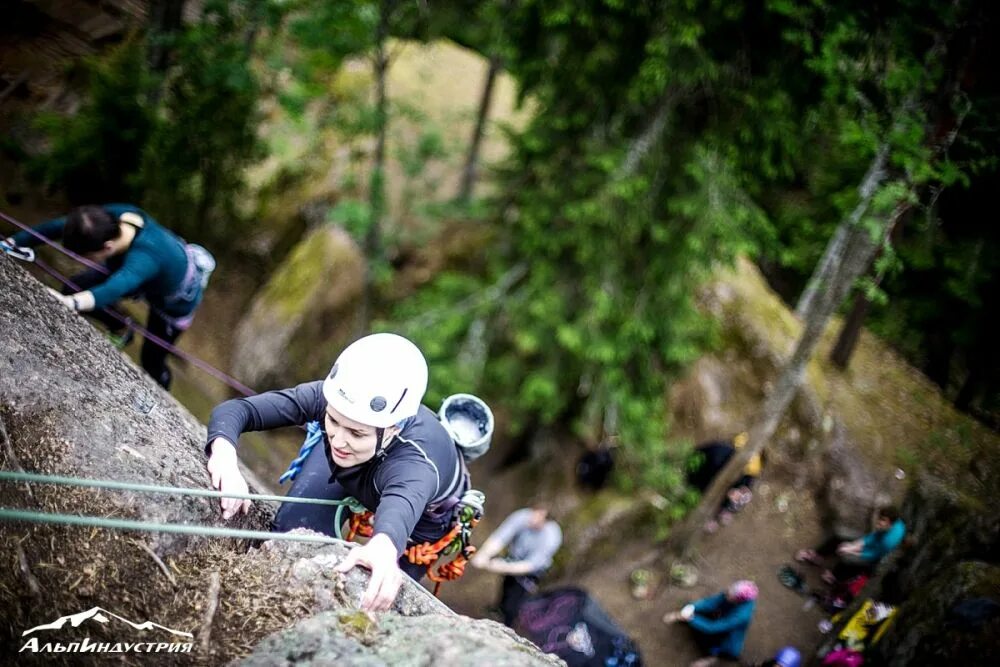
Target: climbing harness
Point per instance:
(456, 543)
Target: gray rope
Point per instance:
(8, 514)
(9, 476)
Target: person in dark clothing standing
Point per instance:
(142, 260)
(531, 540)
(379, 445)
(595, 466)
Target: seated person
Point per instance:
(858, 556)
(712, 458)
(720, 621)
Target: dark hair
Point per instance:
(88, 228)
(888, 512)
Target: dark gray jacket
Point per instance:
(416, 469)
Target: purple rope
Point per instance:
(142, 331)
(156, 340)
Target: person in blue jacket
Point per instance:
(862, 555)
(141, 259)
(720, 621)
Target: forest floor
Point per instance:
(759, 541)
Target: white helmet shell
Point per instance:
(377, 380)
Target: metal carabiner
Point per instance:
(23, 254)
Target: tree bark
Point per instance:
(165, 18)
(829, 263)
(850, 333)
(649, 137)
(469, 172)
(376, 186)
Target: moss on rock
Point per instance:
(304, 314)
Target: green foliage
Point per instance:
(206, 136)
(616, 225)
(95, 154)
(353, 215)
(178, 143)
(898, 76)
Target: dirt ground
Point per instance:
(763, 537)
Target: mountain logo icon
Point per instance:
(101, 616)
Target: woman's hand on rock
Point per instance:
(226, 477)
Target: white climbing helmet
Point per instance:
(377, 380)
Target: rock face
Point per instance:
(71, 404)
(345, 637)
(851, 489)
(305, 314)
(945, 621)
(953, 560)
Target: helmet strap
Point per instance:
(379, 435)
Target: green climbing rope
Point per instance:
(8, 476)
(350, 503)
(8, 514)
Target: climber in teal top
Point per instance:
(142, 259)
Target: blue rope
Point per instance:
(314, 435)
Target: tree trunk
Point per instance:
(472, 160)
(829, 263)
(255, 11)
(850, 333)
(649, 137)
(376, 186)
(165, 18)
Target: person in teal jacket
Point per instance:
(142, 259)
(858, 556)
(720, 621)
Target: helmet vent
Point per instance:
(377, 404)
(401, 397)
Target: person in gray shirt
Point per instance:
(379, 444)
(531, 540)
